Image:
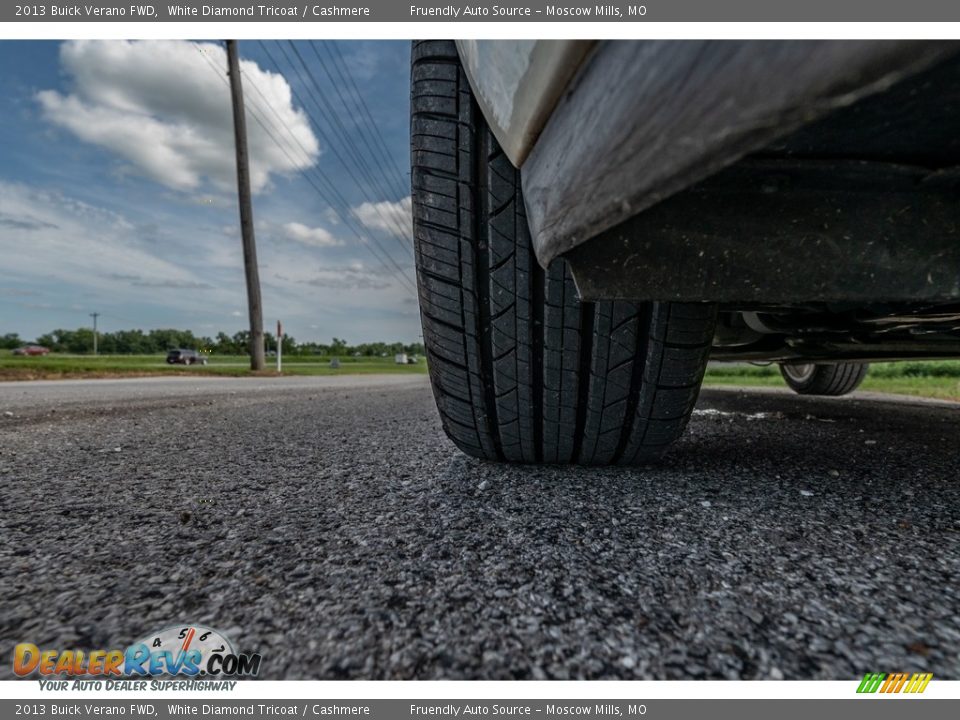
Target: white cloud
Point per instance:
(312, 236)
(69, 241)
(173, 284)
(71, 249)
(386, 215)
(352, 277)
(288, 272)
(164, 107)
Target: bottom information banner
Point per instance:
(406, 709)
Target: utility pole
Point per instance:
(254, 306)
(95, 316)
(279, 346)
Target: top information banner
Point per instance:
(399, 11)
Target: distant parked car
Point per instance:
(185, 357)
(31, 350)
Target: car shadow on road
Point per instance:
(781, 534)
(756, 474)
(745, 442)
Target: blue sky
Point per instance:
(118, 196)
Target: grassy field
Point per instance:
(56, 366)
(935, 379)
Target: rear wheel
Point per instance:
(521, 369)
(834, 379)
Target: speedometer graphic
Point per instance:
(186, 649)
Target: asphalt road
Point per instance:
(327, 524)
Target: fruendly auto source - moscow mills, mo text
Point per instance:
(521, 11)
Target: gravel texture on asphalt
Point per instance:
(329, 525)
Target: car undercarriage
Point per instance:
(860, 210)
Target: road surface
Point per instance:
(326, 523)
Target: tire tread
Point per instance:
(521, 369)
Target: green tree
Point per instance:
(78, 341)
(241, 341)
(133, 342)
(225, 345)
(49, 340)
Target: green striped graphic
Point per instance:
(871, 682)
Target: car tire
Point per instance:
(830, 380)
(522, 371)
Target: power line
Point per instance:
(402, 234)
(309, 179)
(390, 223)
(368, 172)
(346, 106)
(347, 220)
(340, 63)
(400, 272)
(326, 138)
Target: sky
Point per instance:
(118, 188)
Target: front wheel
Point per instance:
(832, 380)
(523, 371)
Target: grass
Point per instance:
(932, 379)
(935, 379)
(61, 366)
